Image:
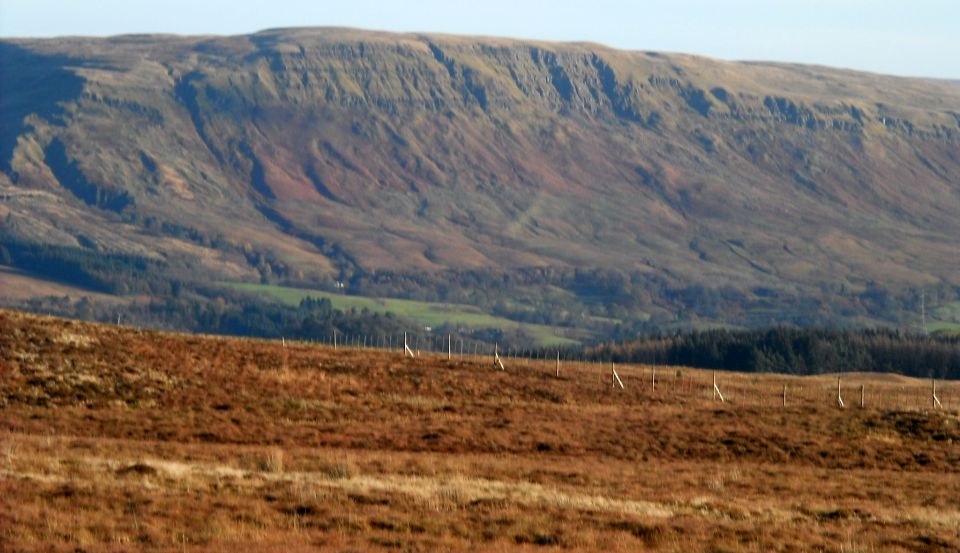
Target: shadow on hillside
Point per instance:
(31, 83)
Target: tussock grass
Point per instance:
(272, 462)
(164, 442)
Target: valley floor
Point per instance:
(112, 439)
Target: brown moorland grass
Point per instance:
(114, 439)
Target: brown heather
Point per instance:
(114, 439)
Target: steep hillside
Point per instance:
(310, 155)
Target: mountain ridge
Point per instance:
(334, 152)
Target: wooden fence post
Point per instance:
(616, 378)
(716, 389)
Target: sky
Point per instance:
(911, 38)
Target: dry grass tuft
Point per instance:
(339, 470)
(272, 462)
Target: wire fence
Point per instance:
(854, 390)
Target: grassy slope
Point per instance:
(426, 313)
(119, 439)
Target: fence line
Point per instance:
(760, 390)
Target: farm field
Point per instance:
(115, 439)
(426, 313)
(946, 328)
(945, 318)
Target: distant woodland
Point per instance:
(179, 300)
(795, 351)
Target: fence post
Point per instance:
(616, 377)
(716, 390)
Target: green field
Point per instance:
(944, 328)
(425, 313)
(946, 319)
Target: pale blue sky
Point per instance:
(919, 37)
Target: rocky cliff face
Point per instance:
(333, 148)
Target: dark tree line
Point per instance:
(795, 351)
(232, 314)
(625, 304)
(111, 273)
